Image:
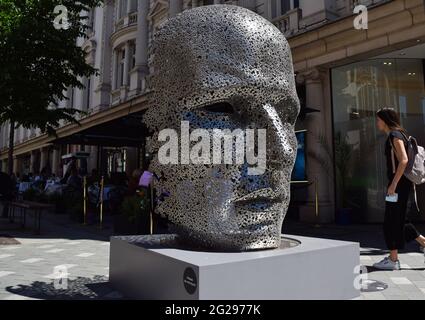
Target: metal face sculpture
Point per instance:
(224, 67)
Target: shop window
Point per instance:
(117, 162)
(359, 90)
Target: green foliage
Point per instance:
(74, 204)
(323, 158)
(39, 62)
(135, 206)
(343, 156)
(30, 194)
(36, 195)
(55, 198)
(76, 211)
(343, 162)
(58, 200)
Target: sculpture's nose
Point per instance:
(281, 144)
(281, 148)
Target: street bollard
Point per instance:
(102, 182)
(85, 199)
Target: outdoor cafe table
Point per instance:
(26, 207)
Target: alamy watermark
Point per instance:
(361, 277)
(214, 147)
(361, 22)
(60, 276)
(61, 20)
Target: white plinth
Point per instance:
(153, 267)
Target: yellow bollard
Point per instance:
(150, 188)
(102, 181)
(316, 191)
(85, 199)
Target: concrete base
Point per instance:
(155, 268)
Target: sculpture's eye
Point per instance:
(292, 117)
(220, 108)
(288, 110)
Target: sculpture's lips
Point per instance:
(259, 226)
(263, 195)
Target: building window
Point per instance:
(71, 97)
(281, 7)
(132, 55)
(285, 6)
(91, 19)
(87, 90)
(122, 8)
(120, 68)
(133, 6)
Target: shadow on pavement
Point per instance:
(96, 288)
(369, 236)
(51, 229)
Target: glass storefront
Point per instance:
(358, 91)
(117, 160)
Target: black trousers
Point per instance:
(397, 231)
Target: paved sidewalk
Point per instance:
(406, 284)
(31, 269)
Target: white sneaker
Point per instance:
(387, 264)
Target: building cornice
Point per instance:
(392, 26)
(121, 36)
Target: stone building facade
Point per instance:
(343, 74)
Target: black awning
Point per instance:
(127, 131)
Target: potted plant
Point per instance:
(57, 199)
(30, 194)
(73, 201)
(343, 154)
(134, 217)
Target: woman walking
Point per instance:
(396, 231)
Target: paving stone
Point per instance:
(409, 288)
(416, 296)
(396, 298)
(375, 296)
(87, 262)
(415, 277)
(420, 284)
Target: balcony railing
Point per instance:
(289, 23)
(132, 18)
(120, 24)
(366, 2)
(126, 21)
(115, 96)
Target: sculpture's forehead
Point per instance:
(228, 23)
(216, 47)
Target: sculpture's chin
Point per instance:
(264, 237)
